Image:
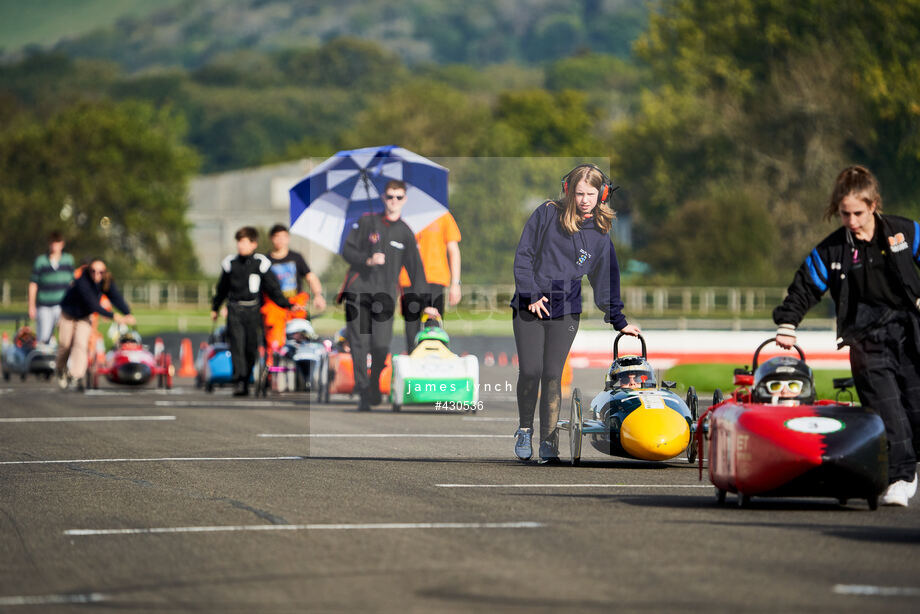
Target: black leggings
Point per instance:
(542, 347)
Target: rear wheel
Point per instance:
(575, 427)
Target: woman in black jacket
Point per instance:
(562, 242)
(79, 303)
(869, 265)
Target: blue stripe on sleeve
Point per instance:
(821, 268)
(916, 241)
(822, 286)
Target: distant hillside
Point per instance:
(45, 22)
(191, 33)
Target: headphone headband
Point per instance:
(607, 188)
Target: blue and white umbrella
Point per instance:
(328, 202)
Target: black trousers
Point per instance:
(412, 306)
(244, 333)
(542, 347)
(369, 330)
(886, 369)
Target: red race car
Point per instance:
(773, 438)
(131, 363)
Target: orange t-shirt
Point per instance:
(432, 246)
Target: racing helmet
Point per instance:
(341, 342)
(300, 330)
(131, 336)
(783, 380)
(630, 372)
(431, 329)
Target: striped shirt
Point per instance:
(52, 281)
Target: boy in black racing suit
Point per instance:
(243, 278)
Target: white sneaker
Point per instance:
(912, 486)
(522, 444)
(63, 380)
(898, 493)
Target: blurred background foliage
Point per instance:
(724, 121)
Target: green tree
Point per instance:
(112, 176)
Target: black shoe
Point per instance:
(364, 401)
(376, 397)
(241, 390)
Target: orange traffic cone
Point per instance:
(186, 360)
(502, 360)
(6, 337)
(566, 374)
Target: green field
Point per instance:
(707, 377)
(44, 22)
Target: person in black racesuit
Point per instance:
(243, 278)
(562, 242)
(869, 265)
(377, 248)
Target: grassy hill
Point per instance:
(45, 22)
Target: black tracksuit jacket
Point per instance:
(374, 233)
(827, 267)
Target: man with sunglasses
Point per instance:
(377, 248)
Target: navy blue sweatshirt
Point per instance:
(82, 298)
(550, 262)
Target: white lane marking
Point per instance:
(390, 435)
(182, 459)
(876, 591)
(488, 419)
(227, 403)
(573, 485)
(87, 419)
(52, 599)
(310, 527)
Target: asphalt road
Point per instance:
(184, 501)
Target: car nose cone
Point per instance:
(654, 434)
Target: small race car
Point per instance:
(341, 378)
(131, 363)
(303, 362)
(213, 363)
(633, 417)
(432, 373)
(773, 438)
(24, 355)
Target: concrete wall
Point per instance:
(223, 202)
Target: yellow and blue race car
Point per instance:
(634, 417)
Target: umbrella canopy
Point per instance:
(327, 203)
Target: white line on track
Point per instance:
(573, 485)
(180, 459)
(228, 403)
(88, 419)
(389, 435)
(876, 591)
(52, 599)
(310, 527)
(488, 419)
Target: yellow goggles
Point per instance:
(776, 386)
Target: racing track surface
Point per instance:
(427, 512)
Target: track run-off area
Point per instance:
(144, 500)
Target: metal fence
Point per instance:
(645, 301)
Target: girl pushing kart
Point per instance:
(563, 241)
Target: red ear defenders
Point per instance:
(607, 188)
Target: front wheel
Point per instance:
(575, 427)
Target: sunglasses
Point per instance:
(392, 196)
(776, 386)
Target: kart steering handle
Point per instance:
(768, 342)
(616, 345)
